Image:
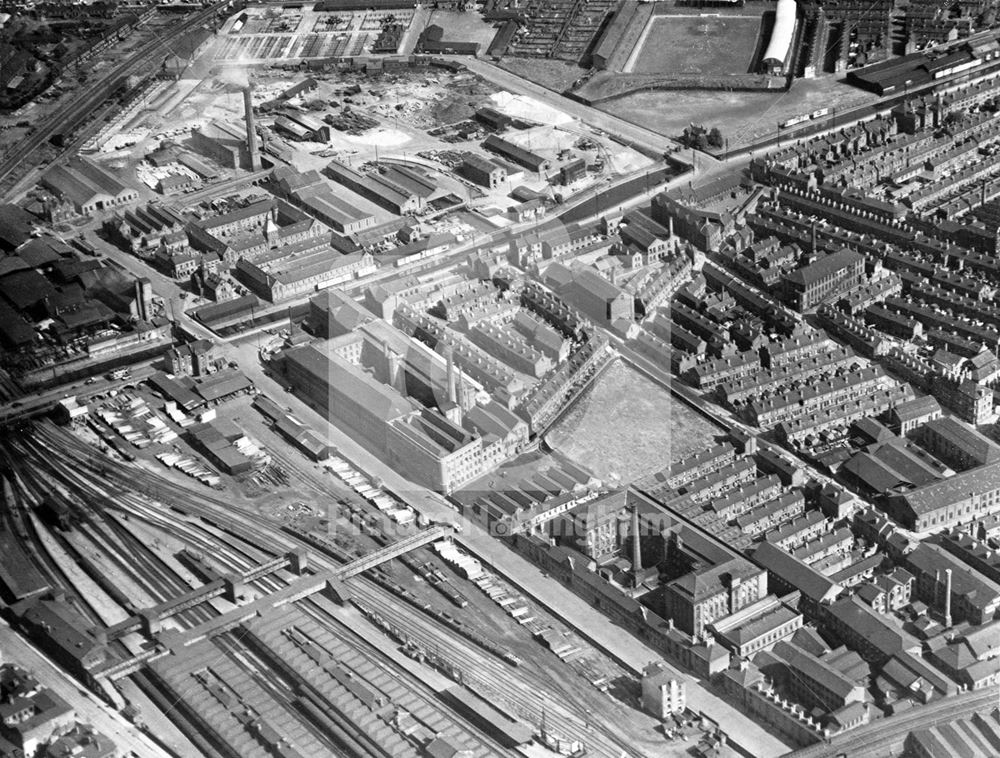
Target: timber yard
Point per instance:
(545, 378)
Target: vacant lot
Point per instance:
(627, 427)
(703, 45)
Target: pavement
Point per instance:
(88, 708)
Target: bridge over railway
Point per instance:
(232, 587)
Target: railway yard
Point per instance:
(180, 537)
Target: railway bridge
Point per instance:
(328, 581)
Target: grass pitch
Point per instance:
(706, 45)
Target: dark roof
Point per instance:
(964, 437)
(825, 266)
(222, 385)
(25, 288)
(873, 473)
(15, 226)
(795, 573)
(42, 251)
(14, 330)
(209, 314)
(865, 622)
(515, 153)
(171, 389)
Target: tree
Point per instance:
(715, 137)
(701, 142)
(954, 117)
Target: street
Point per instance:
(88, 708)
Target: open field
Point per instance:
(742, 117)
(627, 427)
(707, 45)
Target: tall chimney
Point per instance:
(947, 597)
(251, 132)
(452, 387)
(140, 309)
(636, 550)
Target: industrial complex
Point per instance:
(535, 379)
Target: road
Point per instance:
(88, 708)
(34, 404)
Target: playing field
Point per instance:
(705, 45)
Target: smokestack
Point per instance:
(636, 550)
(452, 387)
(251, 132)
(140, 305)
(947, 597)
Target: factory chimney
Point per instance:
(947, 598)
(452, 387)
(636, 549)
(251, 132)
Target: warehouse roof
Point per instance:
(515, 153)
(955, 489)
(223, 384)
(964, 437)
(796, 573)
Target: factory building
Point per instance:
(290, 271)
(312, 193)
(483, 171)
(381, 189)
(87, 187)
(438, 451)
(302, 127)
(822, 280)
(516, 154)
(600, 300)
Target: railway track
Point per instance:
(532, 697)
(77, 109)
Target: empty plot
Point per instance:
(705, 45)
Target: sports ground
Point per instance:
(706, 45)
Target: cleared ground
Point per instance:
(697, 45)
(627, 427)
(553, 74)
(465, 26)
